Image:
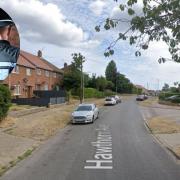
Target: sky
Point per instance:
(62, 27)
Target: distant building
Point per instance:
(32, 73)
(144, 90)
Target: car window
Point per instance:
(84, 108)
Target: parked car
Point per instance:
(172, 97)
(140, 98)
(117, 98)
(85, 113)
(145, 96)
(110, 101)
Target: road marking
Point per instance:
(103, 155)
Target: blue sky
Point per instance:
(62, 27)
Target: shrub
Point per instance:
(5, 101)
(92, 93)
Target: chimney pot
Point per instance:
(39, 53)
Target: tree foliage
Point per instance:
(157, 20)
(5, 101)
(165, 87)
(72, 78)
(111, 71)
(101, 83)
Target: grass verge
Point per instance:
(161, 125)
(149, 101)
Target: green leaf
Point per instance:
(131, 11)
(137, 53)
(111, 52)
(107, 27)
(97, 28)
(121, 7)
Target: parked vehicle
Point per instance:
(172, 97)
(110, 101)
(145, 96)
(117, 98)
(85, 113)
(140, 98)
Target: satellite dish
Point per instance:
(9, 45)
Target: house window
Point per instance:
(38, 87)
(47, 73)
(54, 75)
(46, 87)
(28, 71)
(17, 90)
(38, 71)
(16, 69)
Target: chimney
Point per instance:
(65, 65)
(39, 54)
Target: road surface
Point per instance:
(116, 147)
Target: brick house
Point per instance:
(32, 73)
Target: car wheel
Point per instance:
(92, 120)
(97, 115)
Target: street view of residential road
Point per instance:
(117, 146)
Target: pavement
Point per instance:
(116, 146)
(170, 113)
(11, 147)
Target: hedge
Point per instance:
(94, 93)
(5, 101)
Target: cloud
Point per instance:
(97, 7)
(42, 22)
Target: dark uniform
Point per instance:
(8, 54)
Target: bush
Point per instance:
(5, 101)
(94, 93)
(109, 93)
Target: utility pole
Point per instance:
(79, 59)
(116, 82)
(82, 78)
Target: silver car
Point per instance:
(85, 113)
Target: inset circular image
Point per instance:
(9, 45)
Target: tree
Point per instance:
(111, 71)
(92, 82)
(5, 101)
(157, 20)
(109, 85)
(123, 84)
(73, 79)
(101, 83)
(165, 87)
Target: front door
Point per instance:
(29, 91)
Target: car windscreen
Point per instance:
(108, 99)
(84, 108)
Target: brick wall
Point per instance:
(22, 85)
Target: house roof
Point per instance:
(24, 62)
(35, 60)
(56, 69)
(139, 86)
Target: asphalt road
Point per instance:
(122, 150)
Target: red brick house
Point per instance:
(32, 73)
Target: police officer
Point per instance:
(8, 53)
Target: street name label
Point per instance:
(103, 155)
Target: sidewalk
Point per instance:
(164, 123)
(12, 148)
